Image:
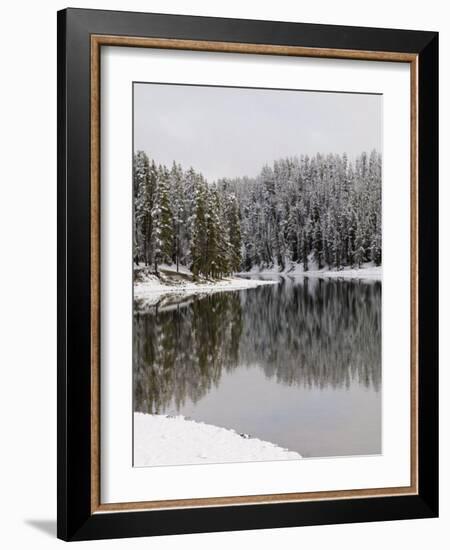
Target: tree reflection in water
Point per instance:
(313, 333)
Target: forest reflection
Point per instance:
(313, 333)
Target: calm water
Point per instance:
(297, 363)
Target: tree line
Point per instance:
(179, 218)
(320, 211)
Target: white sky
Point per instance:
(228, 132)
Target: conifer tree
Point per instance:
(234, 232)
(199, 241)
(177, 208)
(141, 173)
(162, 220)
(215, 260)
(358, 255)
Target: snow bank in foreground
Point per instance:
(163, 441)
(153, 286)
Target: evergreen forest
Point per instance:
(318, 212)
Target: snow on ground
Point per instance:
(149, 288)
(173, 267)
(163, 441)
(367, 271)
(153, 287)
(372, 273)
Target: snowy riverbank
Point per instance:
(372, 273)
(149, 288)
(162, 441)
(152, 286)
(367, 271)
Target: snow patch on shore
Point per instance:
(164, 441)
(153, 287)
(372, 273)
(366, 271)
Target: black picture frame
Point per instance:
(75, 518)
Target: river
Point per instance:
(297, 363)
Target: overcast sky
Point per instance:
(227, 132)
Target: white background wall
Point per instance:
(28, 271)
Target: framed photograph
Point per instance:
(247, 255)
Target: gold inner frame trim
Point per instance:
(97, 41)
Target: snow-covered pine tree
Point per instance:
(199, 242)
(141, 172)
(178, 211)
(145, 182)
(359, 253)
(317, 241)
(218, 244)
(190, 179)
(304, 247)
(162, 220)
(233, 224)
